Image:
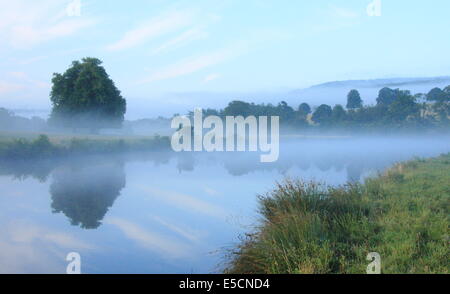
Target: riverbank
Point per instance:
(403, 214)
(44, 146)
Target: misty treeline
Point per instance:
(9, 122)
(395, 109)
(84, 97)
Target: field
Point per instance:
(403, 214)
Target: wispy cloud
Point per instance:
(151, 29)
(29, 35)
(147, 239)
(31, 60)
(25, 23)
(184, 231)
(7, 87)
(182, 39)
(25, 232)
(22, 78)
(30, 248)
(186, 202)
(194, 64)
(18, 81)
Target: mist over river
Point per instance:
(166, 212)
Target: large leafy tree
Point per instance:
(286, 112)
(338, 115)
(386, 96)
(354, 100)
(447, 91)
(236, 108)
(442, 105)
(85, 97)
(301, 116)
(403, 107)
(323, 114)
(304, 109)
(438, 95)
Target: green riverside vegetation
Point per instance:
(403, 214)
(395, 110)
(43, 147)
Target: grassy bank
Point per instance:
(44, 147)
(402, 214)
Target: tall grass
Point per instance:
(311, 228)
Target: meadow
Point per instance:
(312, 228)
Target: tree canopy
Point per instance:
(395, 109)
(338, 115)
(438, 95)
(354, 100)
(304, 109)
(387, 95)
(323, 114)
(85, 97)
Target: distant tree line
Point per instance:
(394, 108)
(10, 122)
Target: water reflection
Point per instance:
(356, 156)
(39, 169)
(171, 210)
(84, 192)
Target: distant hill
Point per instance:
(329, 93)
(381, 83)
(336, 92)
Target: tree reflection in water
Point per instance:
(84, 193)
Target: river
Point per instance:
(165, 212)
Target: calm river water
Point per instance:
(165, 212)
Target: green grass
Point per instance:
(402, 214)
(43, 147)
(64, 138)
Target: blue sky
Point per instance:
(159, 46)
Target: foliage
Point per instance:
(354, 100)
(322, 115)
(10, 121)
(395, 109)
(403, 107)
(304, 109)
(85, 97)
(43, 148)
(386, 96)
(338, 115)
(438, 95)
(311, 228)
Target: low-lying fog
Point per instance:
(165, 212)
(153, 105)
